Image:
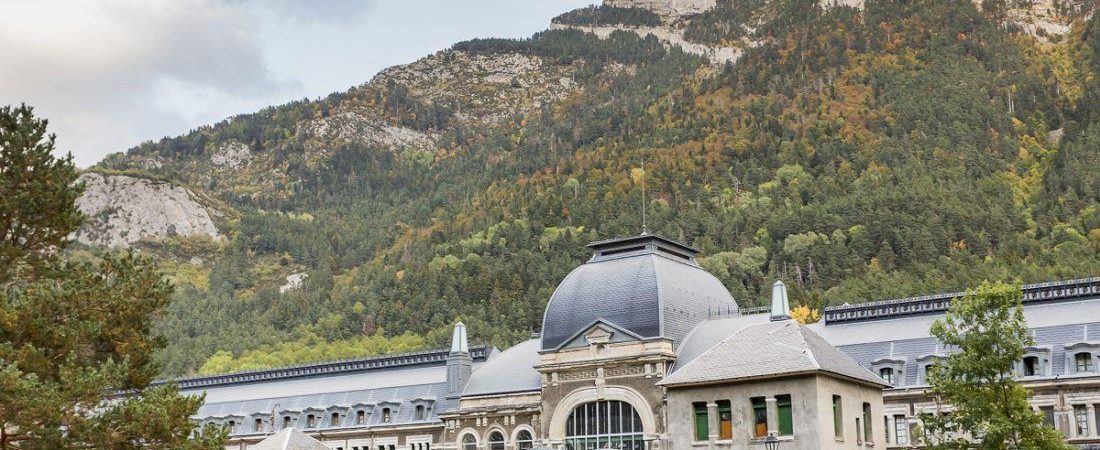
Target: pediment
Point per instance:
(600, 332)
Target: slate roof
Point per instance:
(289, 439)
(399, 382)
(767, 350)
(648, 285)
(513, 370)
(709, 333)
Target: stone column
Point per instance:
(1092, 420)
(712, 422)
(773, 415)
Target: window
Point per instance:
(867, 422)
(469, 442)
(759, 417)
(702, 430)
(1082, 417)
(725, 420)
(887, 375)
(386, 416)
(786, 421)
(258, 425)
(524, 441)
(1048, 415)
(232, 426)
(311, 421)
(901, 430)
(838, 415)
(1031, 366)
(605, 423)
(419, 412)
(286, 421)
(1084, 362)
(360, 417)
(334, 421)
(859, 432)
(496, 441)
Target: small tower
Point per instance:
(459, 362)
(780, 306)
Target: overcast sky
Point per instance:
(109, 74)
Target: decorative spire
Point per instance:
(459, 344)
(780, 306)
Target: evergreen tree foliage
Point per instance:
(987, 332)
(76, 347)
(37, 209)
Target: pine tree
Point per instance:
(988, 330)
(37, 208)
(76, 346)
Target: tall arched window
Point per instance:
(524, 441)
(604, 424)
(496, 441)
(469, 442)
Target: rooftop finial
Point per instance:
(780, 306)
(459, 343)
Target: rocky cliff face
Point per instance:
(669, 10)
(121, 210)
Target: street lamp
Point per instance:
(771, 442)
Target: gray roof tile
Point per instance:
(765, 350)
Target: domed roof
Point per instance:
(647, 286)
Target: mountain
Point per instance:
(859, 150)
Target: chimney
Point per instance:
(459, 362)
(780, 306)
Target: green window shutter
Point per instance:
(702, 431)
(838, 429)
(786, 421)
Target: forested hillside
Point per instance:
(904, 148)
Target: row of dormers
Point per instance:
(1081, 358)
(314, 418)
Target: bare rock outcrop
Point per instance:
(231, 155)
(668, 10)
(120, 210)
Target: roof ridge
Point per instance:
(802, 329)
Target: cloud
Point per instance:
(111, 74)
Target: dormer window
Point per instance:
(887, 375)
(286, 421)
(926, 366)
(360, 417)
(386, 416)
(1083, 362)
(335, 420)
(891, 370)
(420, 412)
(1031, 366)
(258, 425)
(311, 421)
(232, 426)
(1036, 362)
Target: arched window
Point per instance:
(524, 441)
(1031, 366)
(286, 421)
(604, 424)
(887, 375)
(386, 415)
(311, 421)
(469, 442)
(1083, 362)
(496, 441)
(335, 420)
(258, 425)
(360, 417)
